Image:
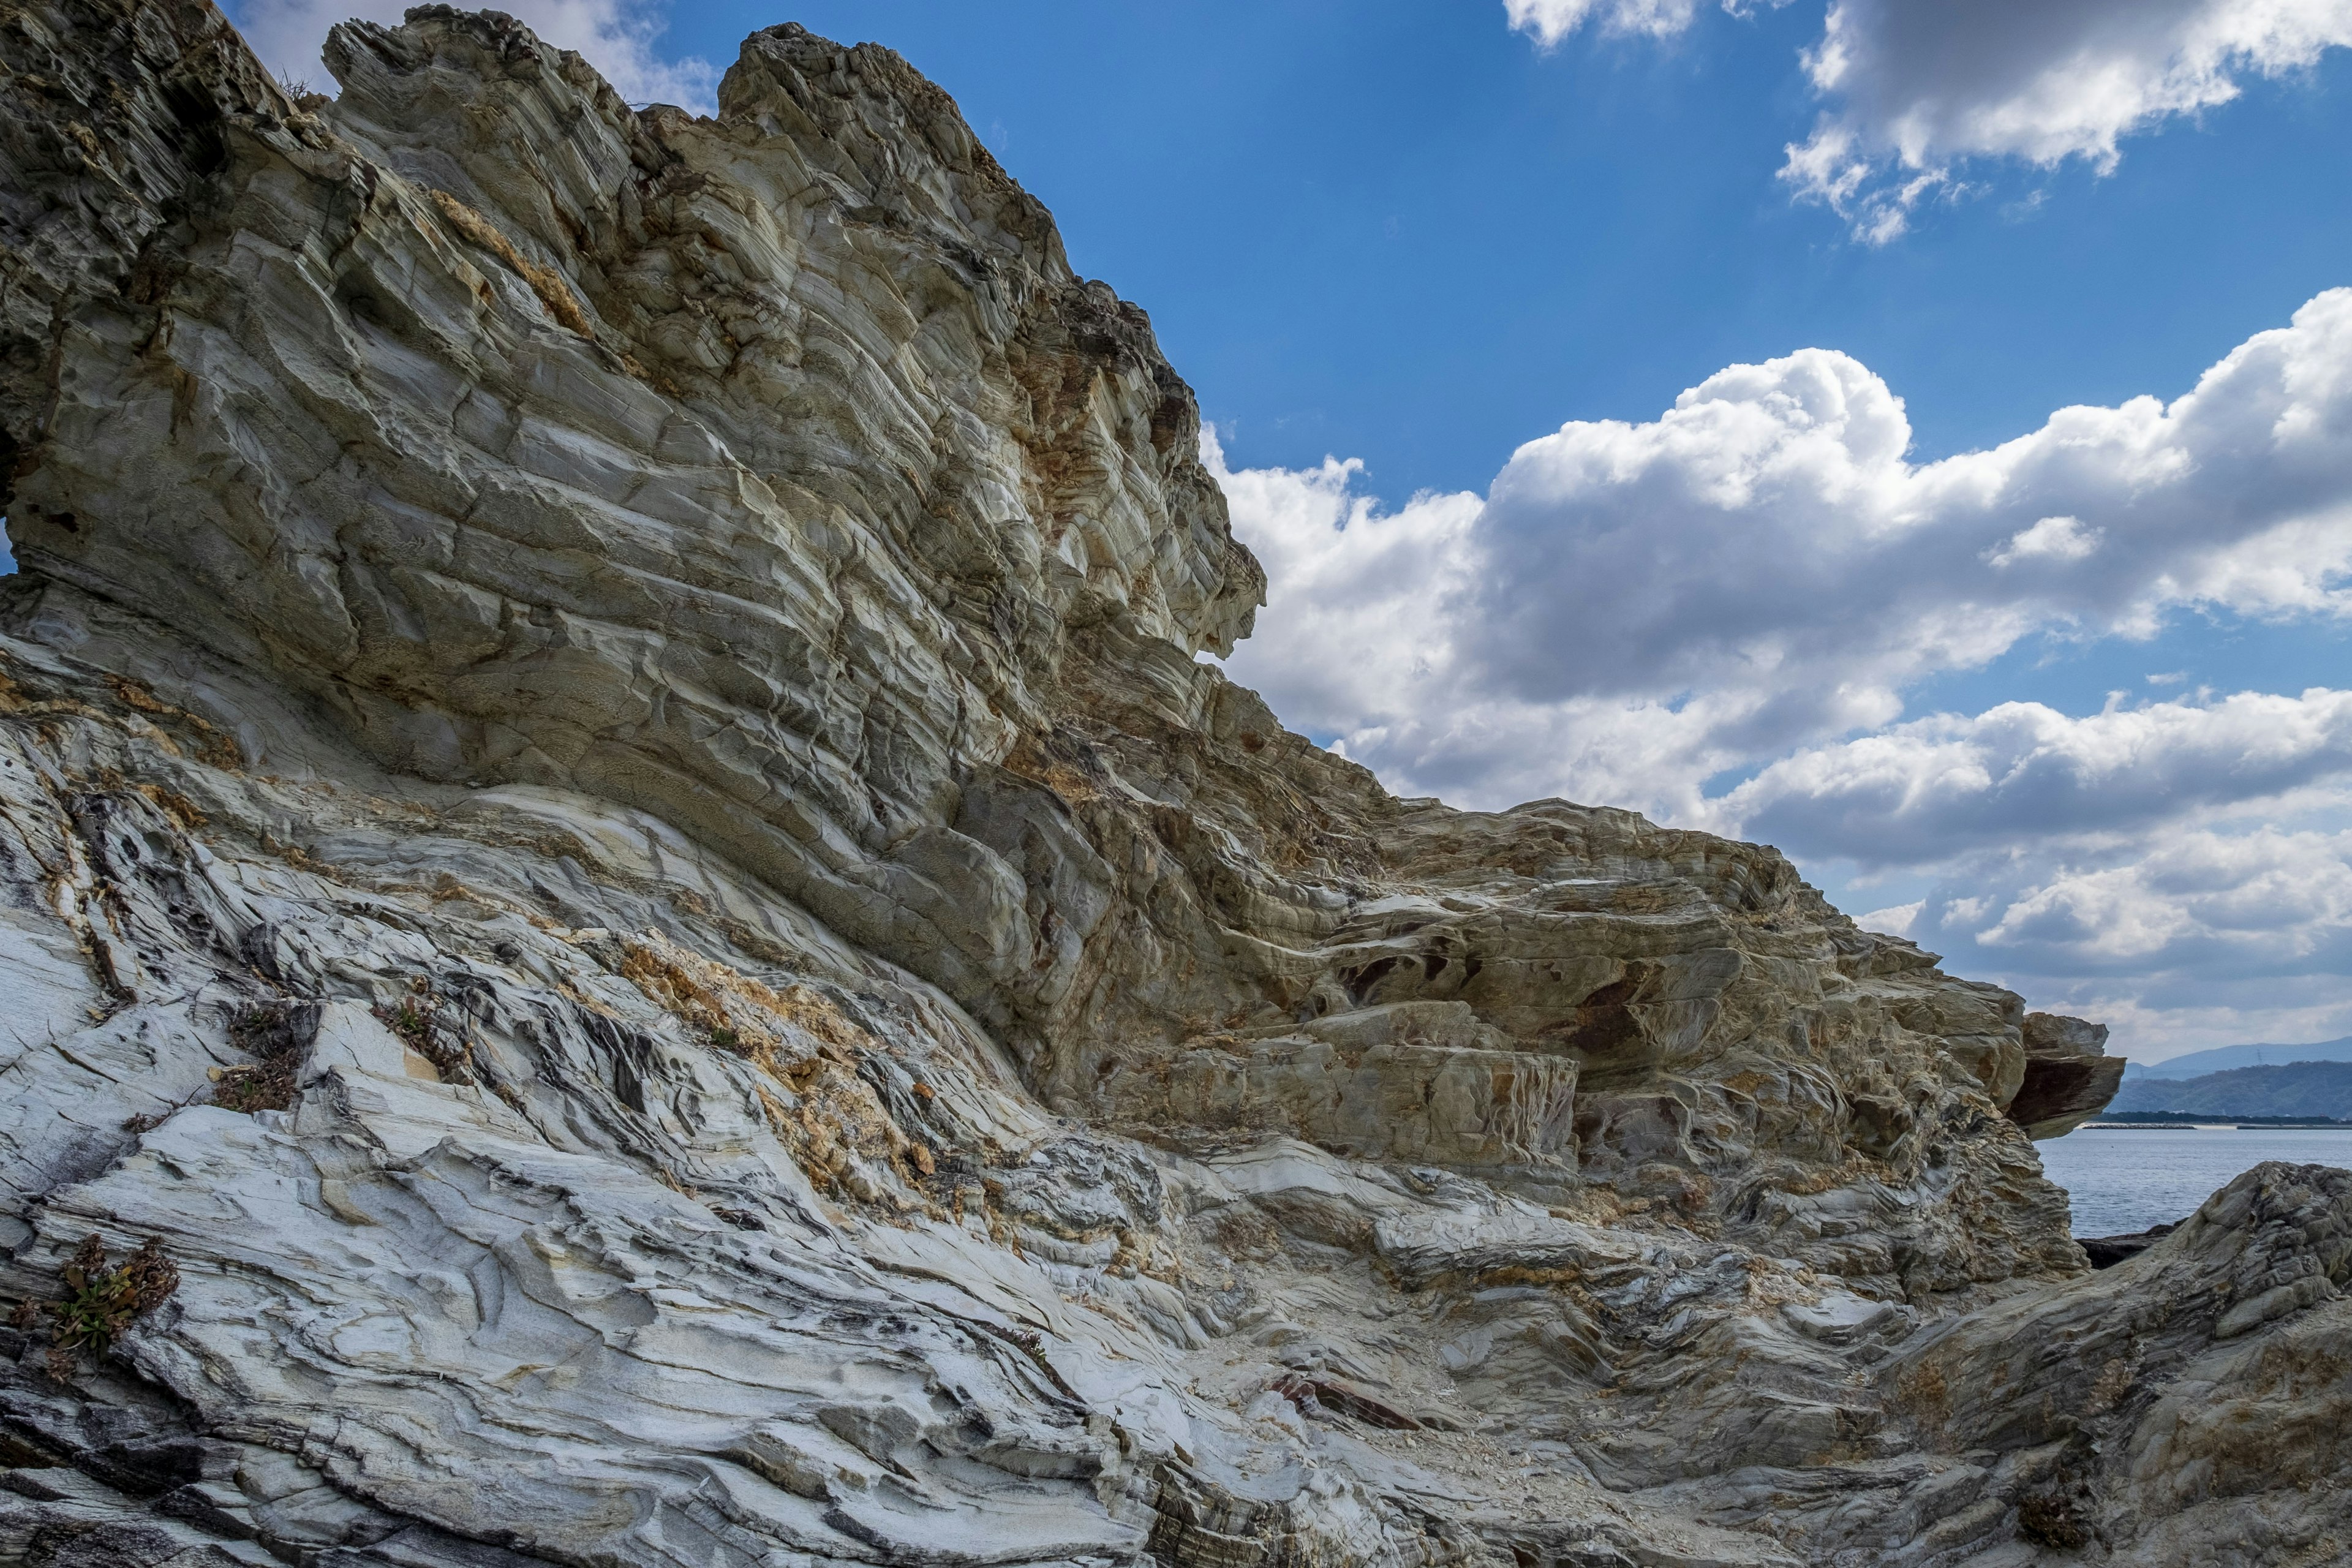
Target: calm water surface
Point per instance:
(2129, 1180)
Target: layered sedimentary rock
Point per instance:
(2069, 1077)
(617, 840)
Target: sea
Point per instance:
(2126, 1179)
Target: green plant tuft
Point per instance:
(101, 1302)
(425, 1031)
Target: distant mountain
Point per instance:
(2296, 1088)
(2196, 1063)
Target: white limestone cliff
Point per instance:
(612, 832)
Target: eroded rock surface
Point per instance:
(612, 828)
(2069, 1077)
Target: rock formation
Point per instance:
(617, 855)
(2069, 1077)
(2106, 1251)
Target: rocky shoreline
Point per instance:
(618, 863)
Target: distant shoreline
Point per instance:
(2226, 1124)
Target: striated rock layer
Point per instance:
(2069, 1077)
(613, 833)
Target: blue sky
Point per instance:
(2067, 710)
(1407, 233)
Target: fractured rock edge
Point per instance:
(650, 665)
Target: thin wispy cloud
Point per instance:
(1549, 21)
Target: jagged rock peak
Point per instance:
(612, 839)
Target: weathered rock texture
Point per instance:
(2069, 1077)
(612, 830)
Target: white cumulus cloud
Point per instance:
(2051, 538)
(2184, 937)
(2023, 775)
(618, 37)
(1916, 88)
(1763, 566)
(2270, 899)
(1715, 616)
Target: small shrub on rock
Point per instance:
(277, 1034)
(417, 1019)
(268, 1086)
(101, 1302)
(2050, 1519)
